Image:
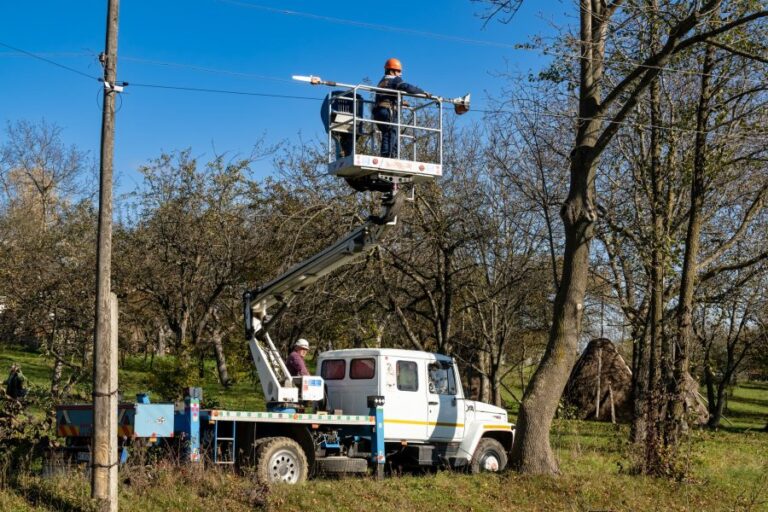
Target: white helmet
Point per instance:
(301, 343)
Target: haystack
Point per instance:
(600, 380)
(695, 408)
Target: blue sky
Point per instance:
(247, 46)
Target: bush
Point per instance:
(170, 376)
(24, 440)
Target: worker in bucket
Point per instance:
(386, 108)
(295, 362)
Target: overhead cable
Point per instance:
(446, 37)
(225, 91)
(573, 117)
(373, 26)
(205, 69)
(49, 61)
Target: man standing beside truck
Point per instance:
(295, 362)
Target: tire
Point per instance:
(281, 460)
(248, 458)
(489, 456)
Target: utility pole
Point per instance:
(104, 448)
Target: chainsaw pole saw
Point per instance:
(460, 104)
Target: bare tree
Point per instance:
(600, 115)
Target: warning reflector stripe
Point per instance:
(281, 417)
(426, 423)
(508, 426)
(68, 430)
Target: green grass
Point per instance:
(747, 407)
(245, 394)
(728, 471)
(135, 376)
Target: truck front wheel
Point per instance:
(489, 456)
(281, 460)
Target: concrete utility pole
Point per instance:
(104, 449)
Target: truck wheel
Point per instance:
(281, 460)
(489, 456)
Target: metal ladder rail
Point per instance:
(219, 441)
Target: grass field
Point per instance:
(135, 376)
(728, 470)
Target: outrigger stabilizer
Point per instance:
(460, 104)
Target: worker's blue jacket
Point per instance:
(395, 83)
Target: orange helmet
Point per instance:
(393, 64)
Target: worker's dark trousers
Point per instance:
(388, 132)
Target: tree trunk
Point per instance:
(675, 424)
(531, 451)
(716, 412)
(598, 390)
(58, 368)
(221, 360)
(709, 381)
(161, 337)
(496, 388)
(646, 407)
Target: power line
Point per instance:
(576, 117)
(205, 69)
(50, 54)
(224, 91)
(373, 26)
(562, 115)
(446, 37)
(573, 117)
(49, 61)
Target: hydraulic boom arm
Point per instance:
(273, 374)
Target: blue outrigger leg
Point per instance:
(378, 457)
(188, 422)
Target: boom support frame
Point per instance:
(276, 381)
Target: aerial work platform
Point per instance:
(357, 165)
(354, 136)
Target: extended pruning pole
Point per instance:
(460, 104)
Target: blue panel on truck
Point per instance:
(133, 420)
(153, 420)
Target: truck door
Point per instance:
(446, 413)
(405, 406)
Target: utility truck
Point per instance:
(367, 407)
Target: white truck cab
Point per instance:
(424, 405)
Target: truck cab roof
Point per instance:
(386, 352)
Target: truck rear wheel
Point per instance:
(489, 457)
(281, 460)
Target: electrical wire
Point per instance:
(434, 35)
(573, 117)
(577, 118)
(204, 69)
(562, 115)
(373, 26)
(224, 91)
(50, 54)
(49, 61)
